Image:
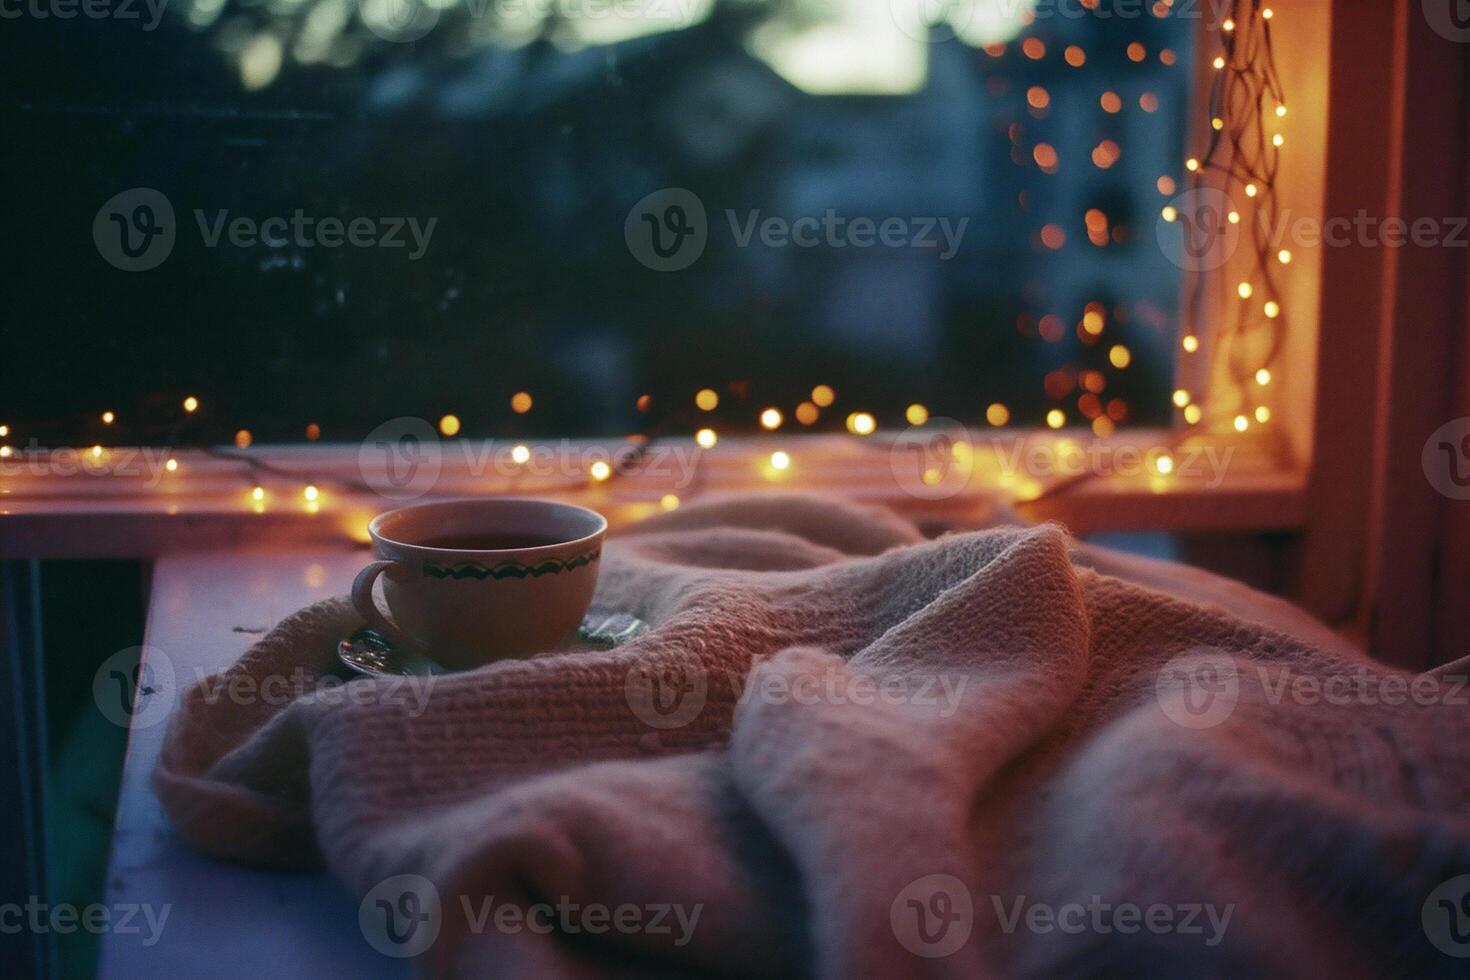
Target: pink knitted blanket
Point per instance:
(844, 750)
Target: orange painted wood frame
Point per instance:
(1384, 552)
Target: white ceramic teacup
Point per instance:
(467, 582)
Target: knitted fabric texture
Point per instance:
(845, 750)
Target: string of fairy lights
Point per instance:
(266, 477)
(1241, 160)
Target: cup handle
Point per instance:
(367, 607)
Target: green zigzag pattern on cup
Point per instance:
(510, 569)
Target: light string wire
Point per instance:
(1241, 153)
(1245, 93)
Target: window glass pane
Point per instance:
(335, 212)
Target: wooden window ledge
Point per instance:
(127, 503)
